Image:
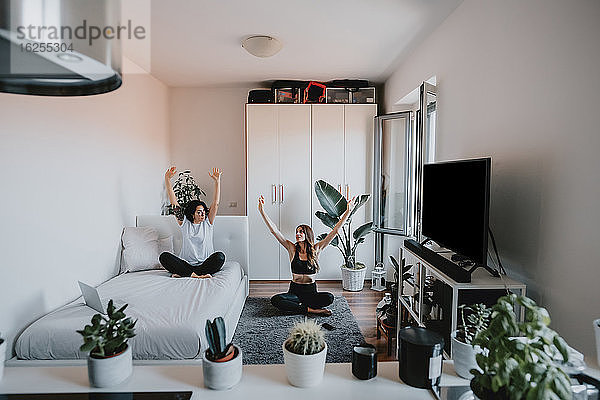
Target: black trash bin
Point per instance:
(420, 357)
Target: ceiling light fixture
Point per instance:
(262, 46)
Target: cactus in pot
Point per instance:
(304, 353)
(222, 362)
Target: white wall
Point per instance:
(518, 80)
(75, 172)
(207, 130)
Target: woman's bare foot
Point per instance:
(319, 311)
(175, 276)
(195, 275)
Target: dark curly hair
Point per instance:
(190, 209)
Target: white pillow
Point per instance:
(140, 249)
(165, 244)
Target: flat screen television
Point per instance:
(455, 208)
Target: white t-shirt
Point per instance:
(197, 243)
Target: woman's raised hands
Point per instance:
(215, 173)
(170, 172)
(261, 202)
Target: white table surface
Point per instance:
(258, 382)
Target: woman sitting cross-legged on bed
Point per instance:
(302, 296)
(197, 258)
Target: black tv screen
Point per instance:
(455, 210)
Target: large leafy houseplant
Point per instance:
(107, 336)
(335, 205)
(521, 360)
(186, 190)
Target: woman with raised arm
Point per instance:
(302, 296)
(197, 258)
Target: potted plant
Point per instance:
(2, 356)
(463, 351)
(521, 359)
(186, 190)
(398, 287)
(221, 363)
(304, 353)
(334, 204)
(109, 360)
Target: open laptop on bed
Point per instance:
(92, 298)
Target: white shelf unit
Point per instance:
(483, 287)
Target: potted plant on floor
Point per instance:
(109, 360)
(521, 359)
(334, 204)
(463, 350)
(222, 363)
(304, 353)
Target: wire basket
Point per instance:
(353, 279)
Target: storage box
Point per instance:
(351, 95)
(337, 95)
(287, 95)
(362, 95)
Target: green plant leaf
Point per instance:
(327, 219)
(358, 203)
(362, 230)
(330, 199)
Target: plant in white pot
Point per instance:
(463, 352)
(346, 241)
(109, 360)
(222, 363)
(304, 353)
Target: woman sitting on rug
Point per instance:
(197, 258)
(302, 296)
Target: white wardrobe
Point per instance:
(289, 147)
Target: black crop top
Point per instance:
(301, 267)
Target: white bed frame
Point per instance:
(230, 236)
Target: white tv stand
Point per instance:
(415, 297)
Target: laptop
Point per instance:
(92, 298)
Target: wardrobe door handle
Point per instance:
(340, 189)
(273, 194)
(347, 191)
(281, 194)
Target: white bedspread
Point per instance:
(171, 314)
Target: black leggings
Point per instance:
(176, 265)
(301, 296)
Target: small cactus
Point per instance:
(306, 338)
(215, 334)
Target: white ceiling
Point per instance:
(197, 43)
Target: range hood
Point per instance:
(59, 47)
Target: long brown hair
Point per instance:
(309, 238)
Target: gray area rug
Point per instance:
(263, 329)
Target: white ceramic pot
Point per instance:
(353, 279)
(464, 357)
(2, 358)
(597, 333)
(304, 371)
(106, 372)
(222, 375)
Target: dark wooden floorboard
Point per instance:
(361, 303)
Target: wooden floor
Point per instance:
(361, 303)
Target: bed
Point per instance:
(171, 312)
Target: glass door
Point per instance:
(404, 141)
